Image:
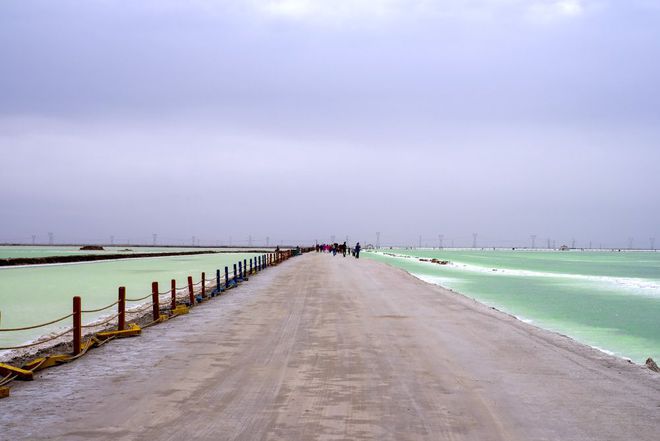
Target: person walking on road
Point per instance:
(357, 250)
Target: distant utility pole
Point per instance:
(347, 239)
(573, 243)
(548, 243)
(250, 240)
(193, 241)
(440, 239)
(589, 244)
(34, 239)
(554, 244)
(533, 236)
(630, 243)
(51, 238)
(112, 240)
(377, 239)
(474, 240)
(652, 240)
(155, 237)
(420, 241)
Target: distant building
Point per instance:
(564, 248)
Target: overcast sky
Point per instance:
(301, 119)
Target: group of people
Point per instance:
(339, 248)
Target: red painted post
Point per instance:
(77, 325)
(203, 285)
(191, 291)
(121, 309)
(154, 300)
(173, 294)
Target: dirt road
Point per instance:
(332, 348)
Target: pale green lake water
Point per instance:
(40, 293)
(12, 252)
(608, 300)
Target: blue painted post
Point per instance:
(217, 282)
(226, 277)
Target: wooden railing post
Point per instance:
(121, 309)
(250, 266)
(154, 299)
(217, 282)
(77, 325)
(240, 269)
(203, 285)
(191, 291)
(245, 268)
(226, 277)
(173, 294)
(235, 274)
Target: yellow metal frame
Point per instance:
(132, 331)
(21, 374)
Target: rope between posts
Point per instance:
(38, 342)
(94, 325)
(25, 328)
(141, 298)
(100, 309)
(8, 379)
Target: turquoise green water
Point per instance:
(37, 294)
(604, 299)
(11, 252)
